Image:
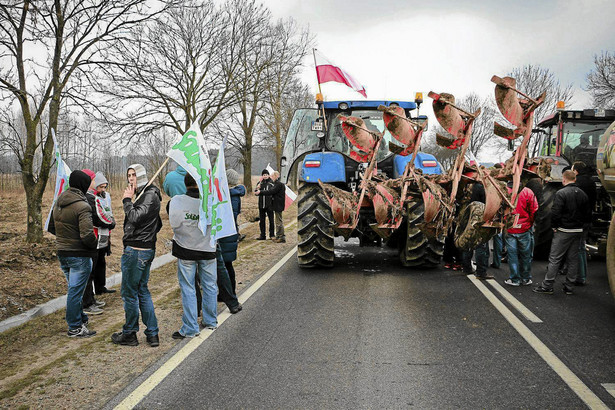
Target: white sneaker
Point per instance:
(93, 310)
(509, 282)
(81, 332)
(527, 282)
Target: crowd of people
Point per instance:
(82, 221)
(570, 218)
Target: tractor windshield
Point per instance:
(580, 141)
(337, 141)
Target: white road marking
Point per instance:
(159, 375)
(610, 387)
(514, 302)
(571, 379)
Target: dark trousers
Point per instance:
(482, 259)
(231, 274)
(226, 286)
(451, 253)
(99, 270)
(88, 294)
(261, 214)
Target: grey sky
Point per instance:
(396, 48)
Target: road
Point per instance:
(371, 334)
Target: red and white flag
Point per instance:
(290, 195)
(327, 71)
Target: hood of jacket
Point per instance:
(70, 196)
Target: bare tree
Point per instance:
(601, 81)
(446, 157)
(484, 143)
(291, 47)
(69, 36)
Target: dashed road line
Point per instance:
(134, 398)
(571, 379)
(514, 302)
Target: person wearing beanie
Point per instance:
(76, 245)
(141, 225)
(105, 214)
(264, 205)
(236, 190)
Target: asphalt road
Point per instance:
(371, 334)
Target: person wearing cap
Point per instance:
(265, 208)
(103, 221)
(76, 245)
(141, 225)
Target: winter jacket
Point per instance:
(264, 201)
(278, 194)
(527, 205)
(570, 210)
(589, 187)
(228, 245)
(236, 193)
(174, 182)
(142, 219)
(189, 243)
(72, 224)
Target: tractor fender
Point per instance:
(327, 167)
(423, 161)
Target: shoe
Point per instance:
(494, 266)
(100, 303)
(578, 283)
(208, 327)
(483, 277)
(567, 289)
(125, 339)
(526, 282)
(178, 336)
(448, 265)
(542, 289)
(277, 240)
(105, 290)
(80, 332)
(153, 341)
(235, 309)
(93, 310)
(457, 267)
(510, 282)
(260, 238)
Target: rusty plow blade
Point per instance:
(493, 201)
(515, 110)
(401, 128)
(452, 118)
(362, 139)
(387, 209)
(344, 206)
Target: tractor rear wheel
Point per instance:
(315, 246)
(416, 249)
(543, 233)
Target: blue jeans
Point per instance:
(519, 247)
(497, 250)
(135, 275)
(77, 272)
(186, 273)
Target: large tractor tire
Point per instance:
(416, 250)
(543, 234)
(315, 235)
(610, 256)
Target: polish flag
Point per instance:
(290, 195)
(327, 71)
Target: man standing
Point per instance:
(519, 240)
(196, 260)
(277, 192)
(264, 205)
(587, 185)
(174, 182)
(76, 245)
(568, 216)
(141, 225)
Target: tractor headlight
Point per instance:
(343, 106)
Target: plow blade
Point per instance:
(401, 128)
(451, 117)
(386, 203)
(449, 143)
(493, 201)
(359, 136)
(432, 205)
(508, 102)
(343, 208)
(505, 132)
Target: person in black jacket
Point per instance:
(264, 205)
(277, 192)
(569, 214)
(587, 185)
(141, 225)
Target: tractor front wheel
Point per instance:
(315, 246)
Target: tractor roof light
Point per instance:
(343, 106)
(418, 98)
(561, 105)
(319, 98)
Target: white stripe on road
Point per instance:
(610, 387)
(163, 371)
(571, 379)
(514, 302)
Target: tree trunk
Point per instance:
(33, 202)
(247, 169)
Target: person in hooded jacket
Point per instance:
(76, 245)
(141, 225)
(174, 182)
(105, 213)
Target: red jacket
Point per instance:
(527, 205)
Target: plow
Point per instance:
(401, 203)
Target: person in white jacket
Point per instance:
(195, 255)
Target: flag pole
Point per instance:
(154, 177)
(319, 89)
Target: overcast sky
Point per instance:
(396, 48)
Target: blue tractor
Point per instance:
(348, 166)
